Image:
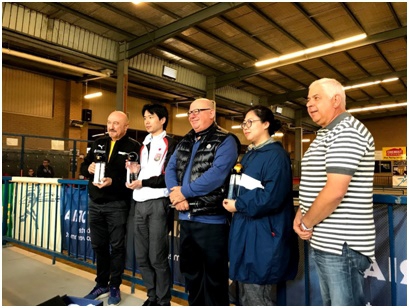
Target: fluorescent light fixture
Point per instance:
(278, 134)
(92, 95)
(306, 140)
(312, 50)
(367, 84)
(378, 107)
(350, 39)
(390, 79)
(236, 126)
(181, 115)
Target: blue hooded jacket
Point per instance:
(263, 247)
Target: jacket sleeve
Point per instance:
(51, 171)
(170, 172)
(39, 172)
(159, 181)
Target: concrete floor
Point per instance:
(29, 279)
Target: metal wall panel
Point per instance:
(27, 94)
(238, 95)
(21, 19)
(154, 66)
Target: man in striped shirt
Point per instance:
(336, 189)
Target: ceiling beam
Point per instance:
(153, 38)
(226, 79)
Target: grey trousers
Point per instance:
(152, 247)
(257, 295)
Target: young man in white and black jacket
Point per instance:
(151, 205)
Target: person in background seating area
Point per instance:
(30, 172)
(45, 170)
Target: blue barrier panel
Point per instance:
(76, 233)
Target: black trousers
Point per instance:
(204, 262)
(108, 229)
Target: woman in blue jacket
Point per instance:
(263, 247)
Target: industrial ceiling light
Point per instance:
(278, 134)
(180, 115)
(91, 95)
(378, 107)
(366, 84)
(235, 126)
(312, 50)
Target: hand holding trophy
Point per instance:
(132, 167)
(99, 168)
(235, 177)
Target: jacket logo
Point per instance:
(101, 146)
(208, 146)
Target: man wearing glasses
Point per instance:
(196, 177)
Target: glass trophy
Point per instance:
(132, 167)
(99, 168)
(234, 184)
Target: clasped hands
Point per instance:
(304, 235)
(177, 199)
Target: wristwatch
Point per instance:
(304, 227)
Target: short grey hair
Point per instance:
(332, 87)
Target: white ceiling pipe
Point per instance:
(55, 63)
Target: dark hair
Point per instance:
(159, 110)
(46, 159)
(266, 115)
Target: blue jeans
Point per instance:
(341, 276)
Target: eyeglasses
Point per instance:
(247, 124)
(196, 111)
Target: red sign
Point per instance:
(394, 152)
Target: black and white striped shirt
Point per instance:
(343, 147)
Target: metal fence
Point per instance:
(50, 216)
(21, 152)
